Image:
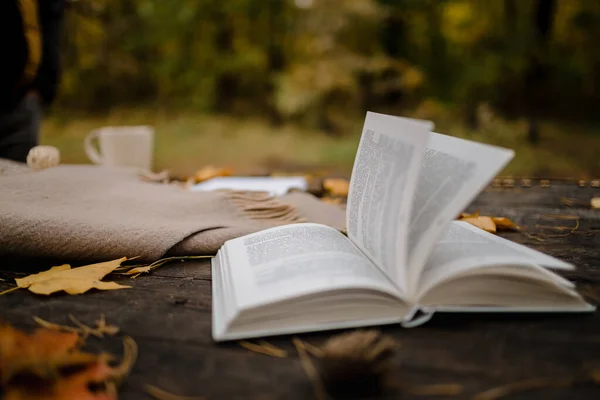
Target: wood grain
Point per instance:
(168, 313)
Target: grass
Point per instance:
(186, 142)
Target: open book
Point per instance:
(404, 257)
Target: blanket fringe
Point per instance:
(263, 206)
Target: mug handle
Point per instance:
(90, 150)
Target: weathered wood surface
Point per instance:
(168, 313)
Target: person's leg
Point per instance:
(20, 129)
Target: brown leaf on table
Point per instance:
(485, 223)
(595, 202)
(357, 362)
(39, 354)
(210, 171)
(504, 224)
(78, 385)
(49, 365)
(72, 280)
(336, 186)
(489, 224)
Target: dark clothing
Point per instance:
(47, 80)
(19, 129)
(20, 112)
(15, 50)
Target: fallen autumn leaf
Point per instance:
(62, 369)
(336, 187)
(72, 280)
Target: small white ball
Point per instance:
(42, 157)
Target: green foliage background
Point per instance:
(319, 65)
(336, 56)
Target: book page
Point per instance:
(464, 247)
(453, 171)
(381, 188)
(299, 259)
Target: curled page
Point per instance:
(453, 171)
(381, 189)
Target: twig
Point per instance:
(50, 325)
(130, 353)
(314, 350)
(125, 269)
(515, 387)
(10, 290)
(450, 389)
(562, 216)
(161, 394)
(310, 370)
(263, 348)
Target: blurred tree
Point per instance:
(319, 61)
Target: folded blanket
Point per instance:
(93, 213)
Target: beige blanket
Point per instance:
(92, 213)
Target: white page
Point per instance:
(274, 185)
(298, 259)
(453, 172)
(381, 189)
(464, 247)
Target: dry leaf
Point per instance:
(62, 370)
(72, 280)
(39, 354)
(595, 202)
(78, 385)
(504, 224)
(357, 362)
(135, 271)
(210, 171)
(310, 370)
(263, 348)
(485, 223)
(336, 186)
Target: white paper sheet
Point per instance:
(274, 185)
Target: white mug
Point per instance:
(125, 146)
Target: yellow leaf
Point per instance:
(72, 280)
(337, 187)
(210, 172)
(595, 202)
(73, 286)
(28, 280)
(138, 270)
(485, 223)
(503, 223)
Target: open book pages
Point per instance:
(404, 252)
(407, 185)
(310, 277)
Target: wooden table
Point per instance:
(168, 313)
